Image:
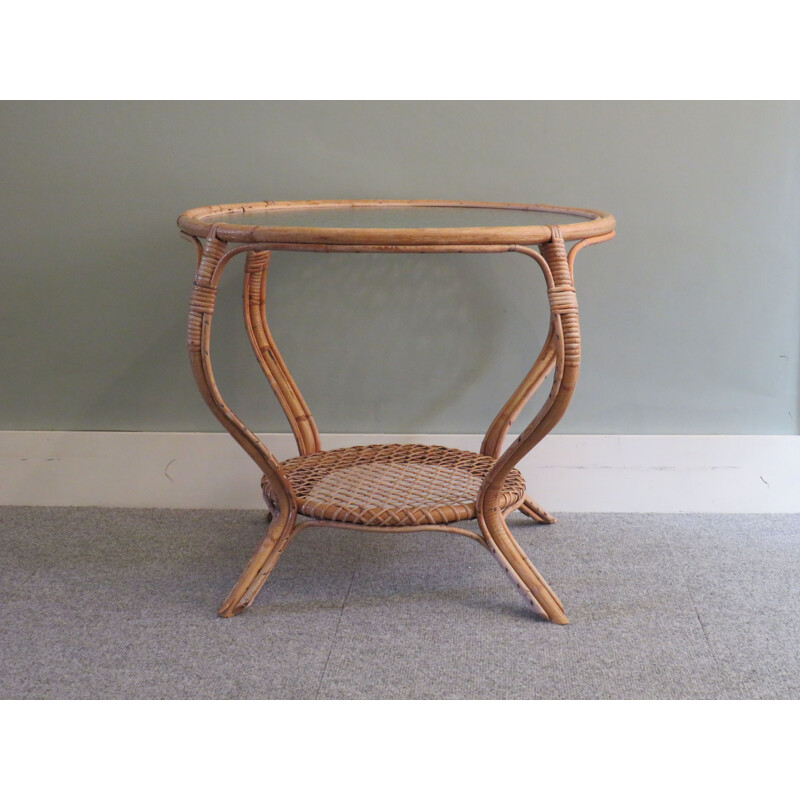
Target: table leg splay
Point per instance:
(262, 562)
(533, 510)
(391, 488)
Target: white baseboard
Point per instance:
(735, 474)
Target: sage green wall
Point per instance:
(690, 318)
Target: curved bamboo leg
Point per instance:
(492, 444)
(567, 344)
(533, 510)
(501, 543)
(214, 257)
(269, 358)
(525, 576)
(261, 563)
(565, 334)
(498, 537)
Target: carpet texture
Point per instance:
(121, 603)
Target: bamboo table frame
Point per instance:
(498, 487)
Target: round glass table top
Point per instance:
(392, 222)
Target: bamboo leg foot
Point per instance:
(525, 576)
(533, 510)
(260, 565)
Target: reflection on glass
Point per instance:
(390, 217)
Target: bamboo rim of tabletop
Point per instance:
(201, 221)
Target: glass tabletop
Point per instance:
(392, 217)
(393, 223)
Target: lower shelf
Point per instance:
(393, 484)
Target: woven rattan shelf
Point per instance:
(395, 487)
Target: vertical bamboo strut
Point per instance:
(272, 364)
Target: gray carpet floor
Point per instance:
(121, 603)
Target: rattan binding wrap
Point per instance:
(393, 485)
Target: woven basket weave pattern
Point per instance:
(393, 485)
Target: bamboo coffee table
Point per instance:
(397, 487)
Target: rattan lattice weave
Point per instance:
(393, 485)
